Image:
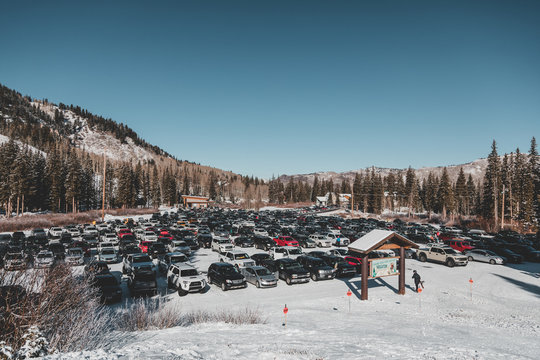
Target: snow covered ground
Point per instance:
(501, 321)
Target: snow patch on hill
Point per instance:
(5, 139)
(98, 142)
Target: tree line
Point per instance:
(509, 190)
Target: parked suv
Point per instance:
(263, 242)
(343, 268)
(238, 258)
(317, 268)
(226, 276)
(185, 279)
(221, 245)
(142, 283)
(285, 251)
(134, 262)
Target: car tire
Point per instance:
(124, 270)
(209, 279)
(237, 268)
(223, 286)
(470, 258)
(492, 262)
(182, 292)
(258, 285)
(422, 257)
(169, 284)
(450, 263)
(314, 277)
(288, 281)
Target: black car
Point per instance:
(317, 267)
(316, 253)
(243, 241)
(263, 242)
(108, 287)
(204, 240)
(96, 267)
(510, 256)
(58, 250)
(528, 252)
(288, 270)
(190, 241)
(305, 242)
(142, 283)
(19, 236)
(40, 236)
(156, 250)
(258, 257)
(343, 269)
(226, 276)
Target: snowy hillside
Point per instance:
(501, 321)
(475, 169)
(97, 142)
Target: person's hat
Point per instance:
(414, 271)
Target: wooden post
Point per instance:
(401, 270)
(365, 273)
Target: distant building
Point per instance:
(326, 200)
(197, 202)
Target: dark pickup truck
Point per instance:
(142, 283)
(288, 270)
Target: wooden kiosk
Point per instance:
(389, 266)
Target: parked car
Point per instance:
(239, 259)
(74, 256)
(243, 241)
(263, 242)
(317, 268)
(259, 276)
(107, 254)
(156, 250)
(442, 254)
(343, 268)
(142, 283)
(459, 244)
(485, 256)
(180, 246)
(170, 259)
(258, 257)
(282, 240)
(510, 256)
(44, 260)
(338, 252)
(136, 262)
(226, 276)
(288, 270)
(205, 240)
(15, 261)
(285, 251)
(185, 279)
(337, 239)
(221, 245)
(108, 287)
(321, 240)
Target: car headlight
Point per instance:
(294, 276)
(185, 282)
(228, 281)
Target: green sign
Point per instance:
(383, 267)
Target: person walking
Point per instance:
(417, 280)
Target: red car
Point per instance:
(144, 245)
(354, 261)
(285, 241)
(459, 244)
(123, 232)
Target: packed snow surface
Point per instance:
(498, 319)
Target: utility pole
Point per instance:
(502, 208)
(103, 199)
(352, 199)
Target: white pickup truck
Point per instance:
(442, 254)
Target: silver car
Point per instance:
(485, 256)
(259, 276)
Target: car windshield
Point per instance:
(450, 251)
(189, 272)
(107, 252)
(13, 256)
(241, 256)
(140, 259)
(44, 256)
(223, 241)
(291, 266)
(229, 270)
(106, 281)
(75, 252)
(178, 259)
(295, 251)
(318, 262)
(263, 272)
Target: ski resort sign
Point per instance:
(383, 267)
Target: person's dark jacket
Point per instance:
(416, 278)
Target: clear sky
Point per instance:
(283, 87)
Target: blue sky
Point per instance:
(282, 87)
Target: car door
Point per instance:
(482, 256)
(250, 275)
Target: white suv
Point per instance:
(222, 245)
(338, 239)
(185, 278)
(238, 258)
(321, 240)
